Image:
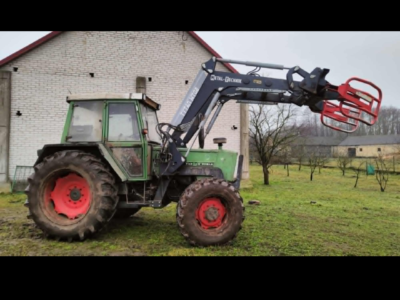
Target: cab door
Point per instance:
(124, 138)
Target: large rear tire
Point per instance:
(71, 195)
(210, 212)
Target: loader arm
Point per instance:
(212, 89)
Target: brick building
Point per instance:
(36, 80)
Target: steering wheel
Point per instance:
(201, 138)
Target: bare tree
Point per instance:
(300, 155)
(270, 133)
(381, 172)
(322, 160)
(298, 150)
(313, 162)
(286, 158)
(316, 159)
(343, 161)
(283, 158)
(358, 171)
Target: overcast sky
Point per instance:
(374, 56)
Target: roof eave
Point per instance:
(213, 52)
(56, 33)
(30, 47)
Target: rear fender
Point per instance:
(96, 149)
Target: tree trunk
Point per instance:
(311, 176)
(343, 172)
(356, 181)
(287, 167)
(299, 166)
(266, 176)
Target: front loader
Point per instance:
(115, 157)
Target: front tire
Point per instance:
(210, 212)
(71, 195)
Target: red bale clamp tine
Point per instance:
(333, 111)
(360, 100)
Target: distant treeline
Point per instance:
(388, 123)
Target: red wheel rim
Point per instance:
(70, 196)
(210, 213)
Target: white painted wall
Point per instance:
(47, 74)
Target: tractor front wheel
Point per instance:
(71, 195)
(210, 212)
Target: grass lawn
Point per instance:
(296, 217)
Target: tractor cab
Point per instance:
(124, 124)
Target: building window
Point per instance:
(360, 149)
(379, 149)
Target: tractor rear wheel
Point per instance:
(210, 212)
(71, 195)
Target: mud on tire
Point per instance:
(71, 195)
(210, 212)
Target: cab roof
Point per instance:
(114, 96)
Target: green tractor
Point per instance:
(108, 166)
(115, 157)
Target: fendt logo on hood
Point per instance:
(226, 79)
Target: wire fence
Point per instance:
(20, 181)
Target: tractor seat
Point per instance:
(220, 140)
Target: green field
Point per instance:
(296, 217)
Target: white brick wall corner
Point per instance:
(61, 66)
